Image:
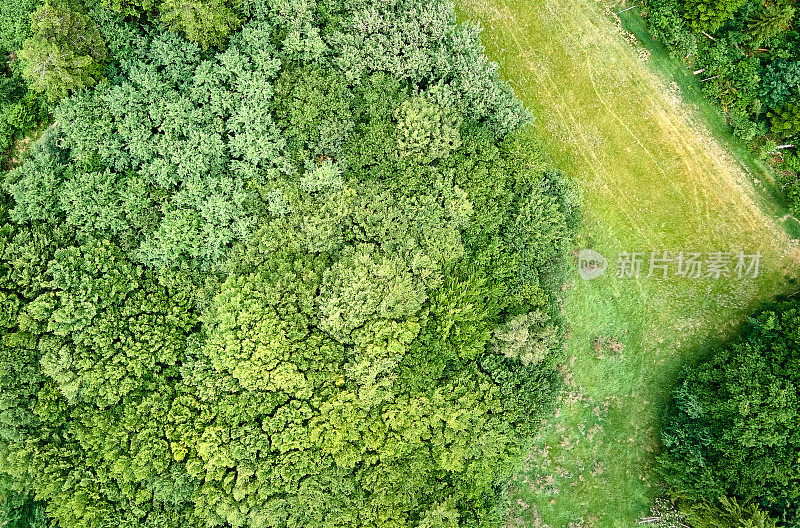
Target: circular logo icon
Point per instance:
(591, 264)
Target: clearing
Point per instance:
(655, 177)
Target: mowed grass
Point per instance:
(654, 178)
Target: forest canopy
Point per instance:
(291, 264)
(733, 429)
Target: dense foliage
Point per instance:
(65, 52)
(734, 428)
(302, 279)
(20, 108)
(746, 54)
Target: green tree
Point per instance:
(781, 83)
(708, 15)
(726, 512)
(732, 430)
(423, 129)
(526, 338)
(15, 23)
(207, 22)
(130, 8)
(785, 122)
(20, 511)
(65, 52)
(773, 19)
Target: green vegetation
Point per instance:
(303, 263)
(304, 278)
(21, 109)
(746, 55)
(733, 429)
(653, 178)
(64, 53)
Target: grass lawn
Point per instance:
(655, 176)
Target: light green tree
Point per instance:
(708, 15)
(65, 52)
(424, 129)
(773, 19)
(727, 512)
(207, 22)
(527, 338)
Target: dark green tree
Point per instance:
(733, 430)
(708, 15)
(785, 122)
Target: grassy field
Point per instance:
(655, 177)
